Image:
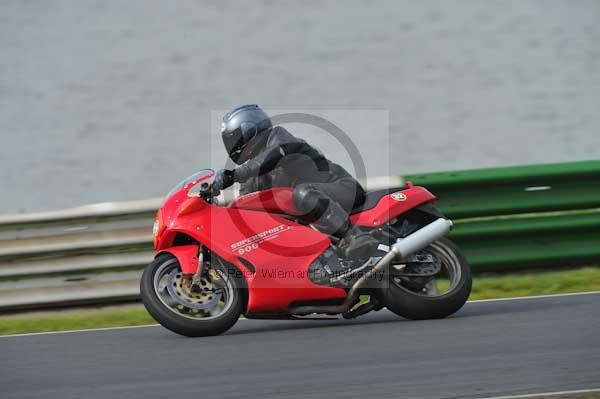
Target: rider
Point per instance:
(270, 156)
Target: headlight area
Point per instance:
(157, 228)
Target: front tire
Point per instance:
(169, 301)
(419, 304)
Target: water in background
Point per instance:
(112, 100)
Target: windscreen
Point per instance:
(196, 177)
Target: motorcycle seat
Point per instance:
(373, 197)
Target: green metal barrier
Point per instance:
(524, 216)
(530, 242)
(518, 189)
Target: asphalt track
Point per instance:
(487, 349)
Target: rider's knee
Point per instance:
(309, 200)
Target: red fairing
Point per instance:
(279, 201)
(272, 253)
(276, 251)
(275, 200)
(392, 205)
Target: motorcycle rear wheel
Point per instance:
(166, 295)
(428, 303)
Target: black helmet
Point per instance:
(240, 125)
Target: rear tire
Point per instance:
(178, 323)
(416, 306)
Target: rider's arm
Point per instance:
(268, 159)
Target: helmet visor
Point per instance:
(234, 143)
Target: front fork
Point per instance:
(194, 261)
(203, 264)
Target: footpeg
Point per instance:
(373, 304)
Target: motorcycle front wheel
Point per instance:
(168, 296)
(416, 294)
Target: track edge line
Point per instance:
(156, 325)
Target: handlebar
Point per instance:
(206, 192)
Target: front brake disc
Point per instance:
(180, 289)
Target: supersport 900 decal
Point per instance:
(253, 242)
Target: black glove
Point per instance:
(223, 179)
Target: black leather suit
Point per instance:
(323, 190)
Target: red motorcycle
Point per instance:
(260, 257)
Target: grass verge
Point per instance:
(79, 319)
(541, 283)
(484, 287)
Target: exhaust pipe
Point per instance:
(421, 238)
(403, 248)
